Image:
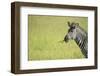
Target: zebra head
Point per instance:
(71, 31)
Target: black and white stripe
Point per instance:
(82, 41)
(79, 35)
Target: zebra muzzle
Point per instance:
(66, 39)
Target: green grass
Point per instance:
(45, 34)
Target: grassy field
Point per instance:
(45, 34)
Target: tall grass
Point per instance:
(45, 35)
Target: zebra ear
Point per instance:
(77, 24)
(69, 24)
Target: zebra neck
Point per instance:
(82, 43)
(79, 41)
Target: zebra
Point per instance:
(79, 35)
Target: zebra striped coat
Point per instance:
(79, 35)
(82, 41)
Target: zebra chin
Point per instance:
(66, 41)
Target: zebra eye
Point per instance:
(71, 30)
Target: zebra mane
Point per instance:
(81, 29)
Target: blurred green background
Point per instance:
(45, 35)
